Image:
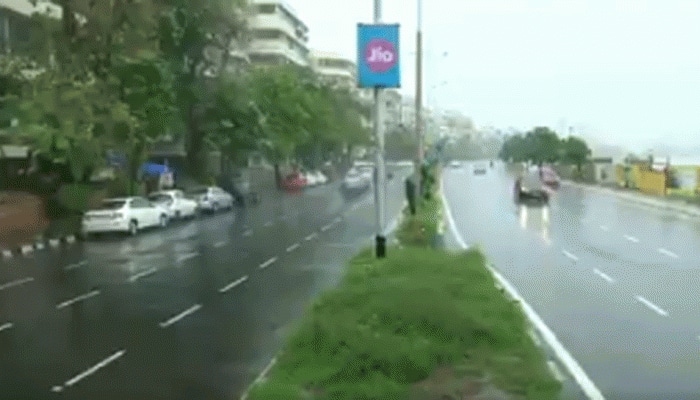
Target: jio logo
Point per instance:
(380, 55)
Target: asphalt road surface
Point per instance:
(191, 312)
(618, 283)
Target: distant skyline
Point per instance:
(624, 72)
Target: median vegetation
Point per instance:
(422, 323)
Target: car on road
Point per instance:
(549, 177)
(128, 214)
(455, 164)
(176, 203)
(294, 182)
(356, 180)
(315, 178)
(212, 198)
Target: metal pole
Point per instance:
(380, 170)
(419, 95)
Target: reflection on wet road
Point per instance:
(617, 283)
(194, 311)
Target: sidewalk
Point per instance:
(642, 199)
(14, 241)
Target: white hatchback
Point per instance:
(128, 214)
(176, 203)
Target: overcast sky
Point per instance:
(622, 72)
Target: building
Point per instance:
(335, 70)
(14, 21)
(392, 110)
(278, 35)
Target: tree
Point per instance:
(576, 151)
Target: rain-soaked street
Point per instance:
(194, 311)
(616, 282)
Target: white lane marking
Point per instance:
(268, 224)
(311, 237)
(186, 257)
(6, 326)
(180, 316)
(268, 263)
(26, 249)
(589, 388)
(143, 274)
(54, 242)
(555, 371)
(233, 284)
(668, 253)
(570, 256)
(605, 228)
(652, 306)
(74, 300)
(76, 265)
(7, 253)
(292, 247)
(89, 371)
(220, 244)
(603, 275)
(337, 220)
(39, 246)
(18, 282)
(326, 227)
(249, 232)
(260, 377)
(632, 239)
(340, 245)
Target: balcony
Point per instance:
(278, 22)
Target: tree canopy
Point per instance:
(542, 145)
(119, 75)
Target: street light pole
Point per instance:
(419, 94)
(380, 171)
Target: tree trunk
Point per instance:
(278, 175)
(194, 146)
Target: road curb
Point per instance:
(38, 245)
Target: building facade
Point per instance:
(14, 21)
(335, 70)
(278, 35)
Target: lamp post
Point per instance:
(419, 95)
(380, 170)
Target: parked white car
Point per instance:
(320, 177)
(128, 214)
(357, 180)
(315, 178)
(212, 198)
(176, 203)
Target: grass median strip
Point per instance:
(422, 323)
(419, 324)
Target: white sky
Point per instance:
(622, 72)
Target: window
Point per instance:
(111, 205)
(139, 203)
(267, 8)
(267, 34)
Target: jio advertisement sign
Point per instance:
(378, 56)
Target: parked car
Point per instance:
(128, 214)
(356, 180)
(212, 198)
(316, 178)
(294, 181)
(176, 203)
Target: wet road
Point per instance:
(618, 283)
(194, 311)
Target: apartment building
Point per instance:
(14, 21)
(278, 35)
(334, 69)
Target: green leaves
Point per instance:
(542, 145)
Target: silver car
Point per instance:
(212, 198)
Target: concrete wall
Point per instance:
(649, 182)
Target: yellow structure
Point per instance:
(649, 181)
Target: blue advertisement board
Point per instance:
(378, 56)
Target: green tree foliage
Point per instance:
(542, 145)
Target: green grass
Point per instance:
(422, 323)
(392, 322)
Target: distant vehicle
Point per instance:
(294, 181)
(529, 196)
(455, 164)
(128, 214)
(491, 164)
(549, 177)
(479, 169)
(176, 203)
(212, 198)
(315, 178)
(356, 180)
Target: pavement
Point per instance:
(615, 281)
(194, 311)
